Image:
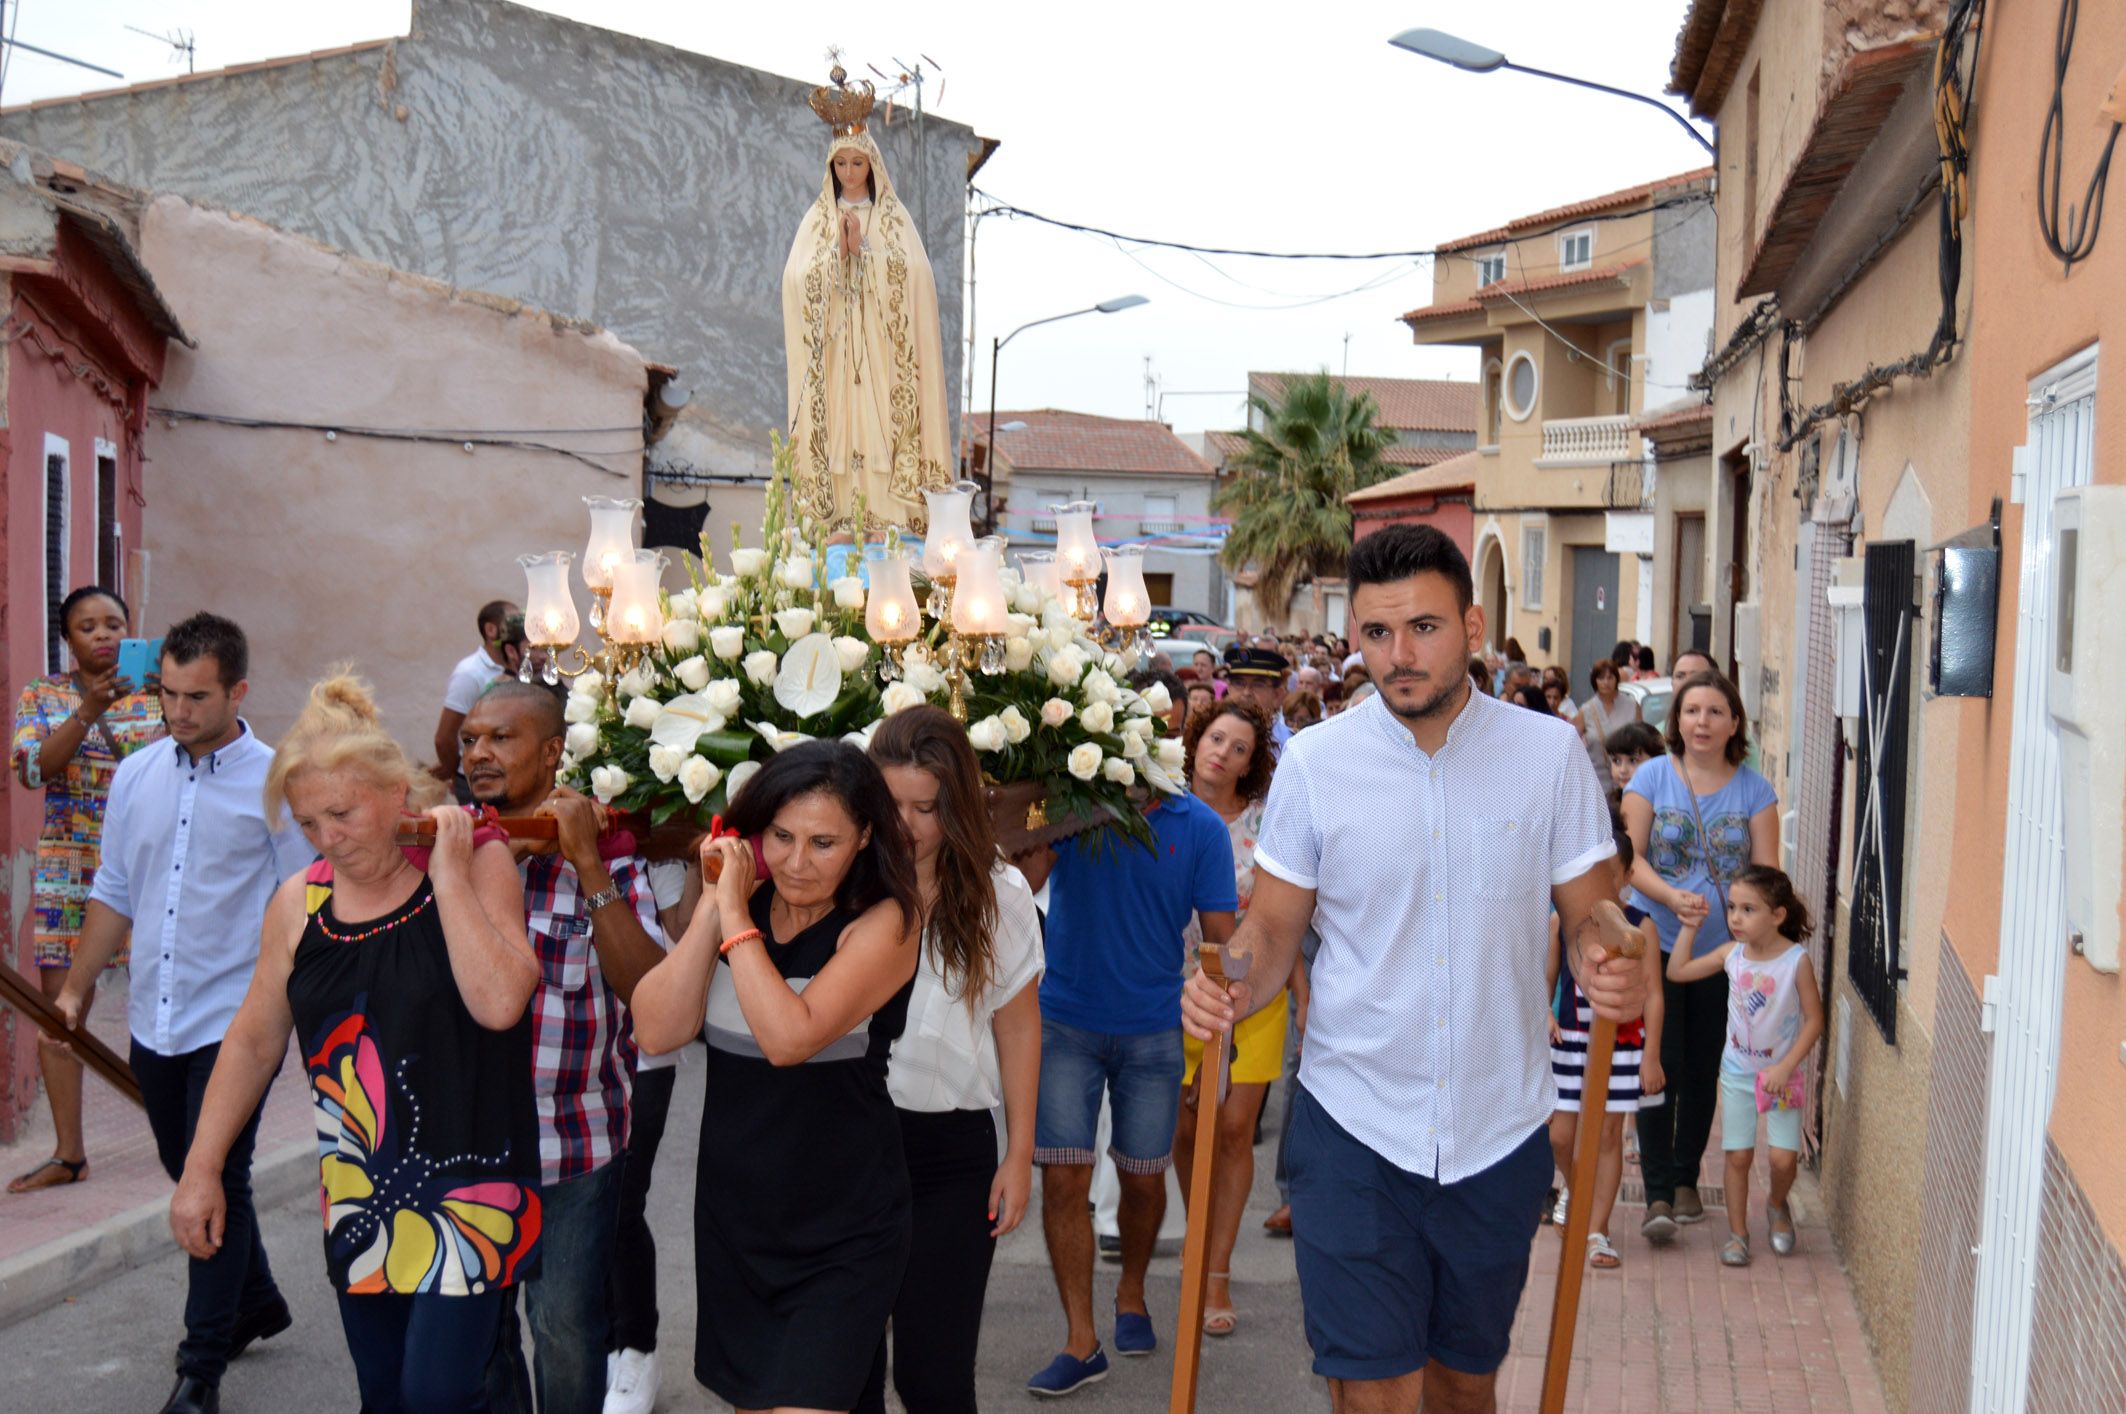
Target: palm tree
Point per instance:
(1286, 496)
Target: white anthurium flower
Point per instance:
(683, 605)
(724, 695)
(1097, 717)
(637, 681)
(1018, 654)
(760, 666)
(698, 776)
(1016, 727)
(810, 677)
(1171, 754)
(848, 593)
(1084, 760)
(682, 635)
(727, 642)
(642, 712)
(1158, 777)
(794, 623)
(986, 735)
(665, 762)
(1158, 699)
(582, 739)
(683, 721)
(1100, 686)
(1133, 745)
(795, 573)
(898, 696)
(693, 674)
(580, 708)
(748, 563)
(711, 600)
(1055, 712)
(923, 676)
(862, 740)
(853, 652)
(779, 738)
(740, 774)
(608, 782)
(1119, 771)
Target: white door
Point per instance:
(2025, 998)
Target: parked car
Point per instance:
(1166, 621)
(1653, 696)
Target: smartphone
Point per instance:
(760, 862)
(137, 658)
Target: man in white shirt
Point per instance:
(188, 865)
(1418, 1157)
(468, 680)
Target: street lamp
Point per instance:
(1476, 59)
(1106, 306)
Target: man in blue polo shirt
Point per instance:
(1111, 1022)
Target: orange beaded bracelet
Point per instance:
(736, 938)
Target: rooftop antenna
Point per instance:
(180, 42)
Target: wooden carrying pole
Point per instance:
(1623, 940)
(1196, 1246)
(26, 997)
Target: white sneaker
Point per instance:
(612, 1364)
(633, 1389)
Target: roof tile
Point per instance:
(1541, 284)
(1455, 471)
(1054, 440)
(1622, 197)
(1406, 404)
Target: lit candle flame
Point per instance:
(890, 615)
(553, 620)
(634, 618)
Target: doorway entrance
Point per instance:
(1594, 613)
(1493, 594)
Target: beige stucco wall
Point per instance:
(378, 552)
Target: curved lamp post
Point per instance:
(1476, 59)
(989, 461)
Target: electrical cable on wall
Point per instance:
(466, 441)
(2072, 240)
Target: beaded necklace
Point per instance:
(426, 899)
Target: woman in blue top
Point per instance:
(1697, 817)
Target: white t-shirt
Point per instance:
(946, 1057)
(668, 882)
(469, 679)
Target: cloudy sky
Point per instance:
(1241, 124)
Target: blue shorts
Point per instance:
(1142, 1078)
(1397, 1270)
(1738, 1117)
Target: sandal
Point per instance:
(46, 1175)
(1600, 1253)
(1736, 1252)
(1220, 1320)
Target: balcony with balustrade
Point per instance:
(1589, 441)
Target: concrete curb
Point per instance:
(67, 1266)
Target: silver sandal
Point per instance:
(1736, 1252)
(1782, 1242)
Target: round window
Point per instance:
(1520, 386)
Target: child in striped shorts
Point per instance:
(1635, 1078)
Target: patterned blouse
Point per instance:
(1243, 827)
(69, 843)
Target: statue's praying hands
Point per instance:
(852, 234)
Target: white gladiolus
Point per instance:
(684, 605)
(1084, 760)
(608, 782)
(848, 593)
(723, 695)
(986, 735)
(1018, 654)
(693, 674)
(1016, 727)
(740, 774)
(581, 707)
(682, 635)
(681, 724)
(1171, 754)
(748, 563)
(795, 573)
(853, 652)
(665, 762)
(760, 666)
(794, 623)
(1055, 712)
(1097, 717)
(1159, 699)
(711, 601)
(582, 739)
(727, 642)
(899, 695)
(1119, 771)
(697, 777)
(642, 712)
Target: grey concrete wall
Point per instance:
(1683, 250)
(649, 189)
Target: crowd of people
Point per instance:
(903, 1030)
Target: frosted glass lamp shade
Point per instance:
(1077, 552)
(550, 619)
(890, 615)
(634, 615)
(1128, 603)
(951, 529)
(978, 603)
(612, 538)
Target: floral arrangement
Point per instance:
(775, 653)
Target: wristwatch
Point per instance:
(600, 899)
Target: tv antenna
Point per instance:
(180, 42)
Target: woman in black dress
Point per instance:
(800, 986)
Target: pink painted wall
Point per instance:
(1456, 518)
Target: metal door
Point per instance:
(1594, 613)
(2023, 1002)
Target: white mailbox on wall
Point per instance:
(2088, 702)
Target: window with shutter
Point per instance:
(55, 466)
(1534, 545)
(108, 536)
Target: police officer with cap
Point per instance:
(1258, 674)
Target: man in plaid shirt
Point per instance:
(593, 921)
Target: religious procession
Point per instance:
(582, 846)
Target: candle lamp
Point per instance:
(550, 620)
(951, 532)
(1037, 569)
(1127, 610)
(612, 541)
(1077, 555)
(890, 613)
(978, 618)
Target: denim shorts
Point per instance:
(1142, 1078)
(1738, 1117)
(1397, 1270)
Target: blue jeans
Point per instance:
(421, 1353)
(1142, 1077)
(565, 1303)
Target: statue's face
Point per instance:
(853, 170)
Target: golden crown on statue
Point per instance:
(842, 107)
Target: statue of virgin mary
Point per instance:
(860, 332)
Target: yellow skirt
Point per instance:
(1260, 1057)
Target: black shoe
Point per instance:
(1110, 1247)
(262, 1324)
(193, 1395)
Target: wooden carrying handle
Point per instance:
(26, 997)
(1196, 1246)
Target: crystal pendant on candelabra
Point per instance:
(598, 599)
(992, 661)
(941, 600)
(888, 669)
(550, 672)
(524, 670)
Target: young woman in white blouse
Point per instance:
(973, 1042)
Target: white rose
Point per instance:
(795, 573)
(582, 707)
(1097, 717)
(588, 682)
(637, 681)
(1055, 712)
(748, 563)
(1027, 599)
(1061, 635)
(665, 761)
(693, 674)
(899, 695)
(923, 676)
(740, 774)
(986, 735)
(848, 592)
(862, 740)
(760, 666)
(1119, 771)
(1139, 727)
(1084, 760)
(582, 739)
(1054, 615)
(711, 601)
(1016, 727)
(682, 635)
(642, 712)
(1132, 745)
(853, 652)
(697, 777)
(1018, 654)
(1170, 753)
(610, 781)
(684, 605)
(1065, 666)
(727, 642)
(794, 623)
(1100, 686)
(1159, 699)
(723, 695)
